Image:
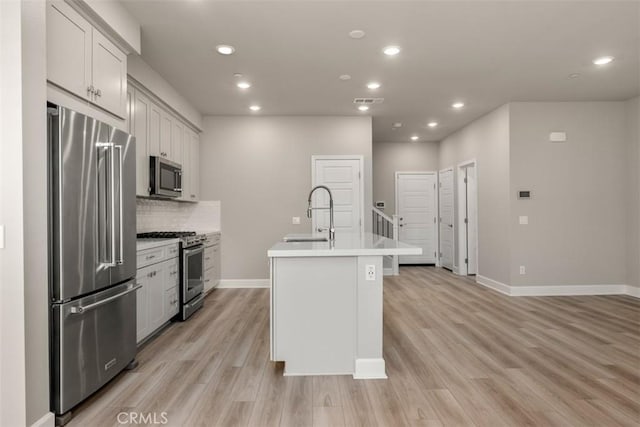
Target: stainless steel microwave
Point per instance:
(165, 178)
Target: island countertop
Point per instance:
(355, 244)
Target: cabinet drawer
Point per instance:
(150, 256)
(173, 273)
(173, 251)
(209, 256)
(210, 280)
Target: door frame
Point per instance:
(462, 207)
(453, 230)
(360, 158)
(436, 205)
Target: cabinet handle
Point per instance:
(173, 273)
(148, 257)
(208, 258)
(193, 196)
(90, 89)
(98, 92)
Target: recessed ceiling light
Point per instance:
(255, 108)
(363, 108)
(391, 50)
(397, 125)
(457, 105)
(244, 85)
(356, 34)
(432, 124)
(603, 60)
(373, 85)
(225, 49)
(345, 77)
(414, 138)
(574, 75)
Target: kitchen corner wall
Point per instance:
(633, 179)
(259, 167)
(392, 157)
(487, 141)
(578, 211)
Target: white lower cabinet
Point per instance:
(157, 300)
(211, 261)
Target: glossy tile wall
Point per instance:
(168, 215)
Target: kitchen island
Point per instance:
(326, 304)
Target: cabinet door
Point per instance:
(68, 49)
(186, 165)
(166, 127)
(194, 164)
(155, 120)
(177, 141)
(156, 296)
(141, 115)
(171, 302)
(109, 72)
(143, 327)
(129, 126)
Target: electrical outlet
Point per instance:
(370, 272)
(522, 270)
(295, 220)
(524, 220)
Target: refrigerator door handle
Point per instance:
(110, 148)
(120, 259)
(81, 309)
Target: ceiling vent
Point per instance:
(367, 101)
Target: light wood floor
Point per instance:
(457, 354)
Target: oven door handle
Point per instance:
(188, 252)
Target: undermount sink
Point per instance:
(305, 239)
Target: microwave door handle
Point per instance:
(120, 259)
(178, 177)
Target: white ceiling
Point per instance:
(483, 53)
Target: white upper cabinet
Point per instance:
(68, 49)
(177, 141)
(141, 130)
(109, 71)
(194, 168)
(166, 126)
(84, 62)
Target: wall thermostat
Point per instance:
(558, 136)
(524, 194)
(380, 204)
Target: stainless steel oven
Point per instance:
(165, 177)
(192, 284)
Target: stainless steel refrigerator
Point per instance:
(92, 234)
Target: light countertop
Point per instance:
(142, 244)
(344, 245)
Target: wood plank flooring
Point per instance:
(457, 354)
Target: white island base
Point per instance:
(326, 312)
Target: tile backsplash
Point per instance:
(168, 215)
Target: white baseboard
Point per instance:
(367, 369)
(493, 284)
(47, 420)
(633, 291)
(558, 290)
(243, 283)
(387, 271)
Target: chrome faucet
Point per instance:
(332, 230)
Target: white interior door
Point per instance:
(446, 218)
(343, 177)
(472, 220)
(416, 206)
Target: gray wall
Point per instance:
(24, 374)
(633, 219)
(487, 141)
(260, 170)
(392, 157)
(577, 215)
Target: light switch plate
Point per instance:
(523, 271)
(523, 219)
(295, 220)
